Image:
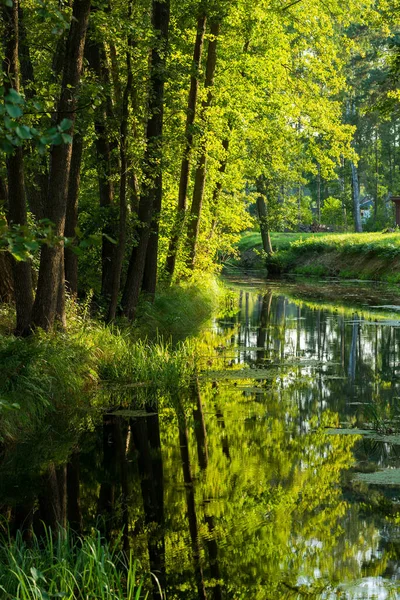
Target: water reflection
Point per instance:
(236, 489)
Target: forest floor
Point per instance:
(366, 256)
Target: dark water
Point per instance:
(246, 493)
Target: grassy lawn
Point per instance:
(385, 244)
(279, 240)
(347, 255)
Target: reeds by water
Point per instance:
(70, 567)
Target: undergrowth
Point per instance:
(65, 372)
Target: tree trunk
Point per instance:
(95, 54)
(218, 186)
(184, 176)
(119, 254)
(376, 174)
(17, 214)
(71, 221)
(44, 309)
(263, 218)
(152, 171)
(201, 170)
(6, 278)
(319, 195)
(356, 198)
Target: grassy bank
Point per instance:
(250, 255)
(72, 373)
(374, 256)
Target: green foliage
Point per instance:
(63, 565)
(15, 133)
(332, 212)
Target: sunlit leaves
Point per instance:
(14, 132)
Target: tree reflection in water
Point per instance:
(236, 489)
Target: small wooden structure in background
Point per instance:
(396, 200)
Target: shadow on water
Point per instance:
(239, 487)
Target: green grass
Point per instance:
(383, 245)
(279, 240)
(64, 566)
(347, 255)
(96, 367)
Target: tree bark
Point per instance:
(17, 213)
(356, 198)
(152, 171)
(218, 186)
(71, 221)
(263, 218)
(95, 54)
(120, 251)
(185, 165)
(44, 309)
(6, 278)
(201, 170)
(319, 195)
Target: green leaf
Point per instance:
(23, 132)
(14, 97)
(65, 124)
(5, 146)
(19, 254)
(32, 245)
(57, 139)
(13, 110)
(66, 138)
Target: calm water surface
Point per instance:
(246, 493)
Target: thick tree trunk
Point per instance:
(152, 186)
(185, 166)
(17, 214)
(44, 310)
(201, 170)
(71, 221)
(123, 148)
(356, 198)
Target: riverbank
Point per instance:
(71, 372)
(366, 256)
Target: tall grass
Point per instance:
(383, 245)
(66, 372)
(69, 567)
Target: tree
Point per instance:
(51, 280)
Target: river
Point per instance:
(249, 490)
